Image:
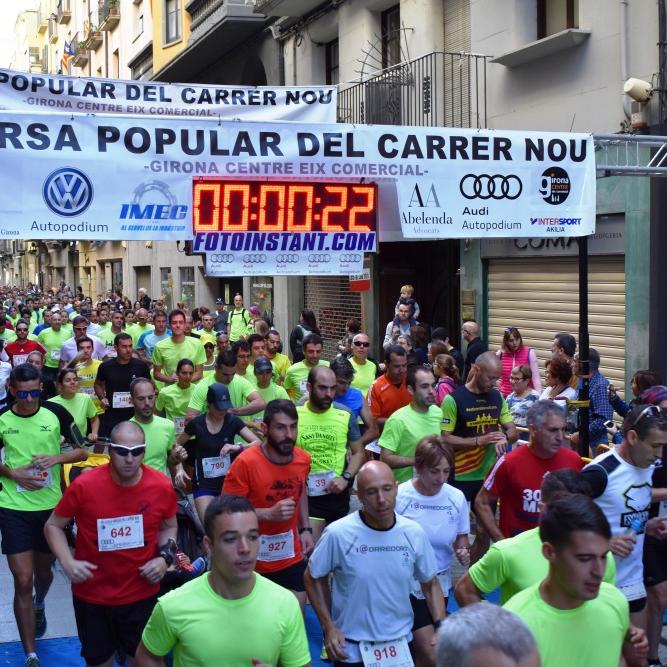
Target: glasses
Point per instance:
(359, 343)
(513, 379)
(123, 451)
(648, 411)
(33, 393)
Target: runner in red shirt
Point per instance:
(19, 349)
(125, 514)
(516, 478)
(273, 478)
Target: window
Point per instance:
(391, 37)
(332, 73)
(172, 21)
(187, 287)
(555, 16)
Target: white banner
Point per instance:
(26, 92)
(119, 177)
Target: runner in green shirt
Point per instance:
(296, 377)
(209, 363)
(266, 387)
(172, 401)
(52, 339)
(170, 351)
(279, 361)
(244, 367)
(238, 320)
(364, 370)
(141, 326)
(79, 405)
(206, 618)
(108, 336)
(409, 424)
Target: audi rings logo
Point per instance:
(354, 257)
(290, 258)
(486, 186)
(226, 258)
(254, 258)
(67, 192)
(319, 259)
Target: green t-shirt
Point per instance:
(160, 437)
(23, 438)
(52, 341)
(238, 322)
(404, 429)
(136, 331)
(325, 436)
(364, 375)
(280, 363)
(200, 626)
(81, 407)
(249, 375)
(8, 336)
(167, 354)
(591, 634)
(297, 377)
(517, 563)
(239, 390)
(271, 393)
(174, 401)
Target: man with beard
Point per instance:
(273, 478)
(326, 431)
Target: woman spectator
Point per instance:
(442, 511)
(558, 376)
(522, 395)
(420, 343)
(514, 353)
(447, 372)
(435, 348)
(641, 381)
(307, 325)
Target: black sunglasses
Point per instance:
(648, 411)
(360, 343)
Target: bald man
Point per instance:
(475, 345)
(373, 556)
(478, 425)
(125, 514)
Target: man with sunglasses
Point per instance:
(364, 369)
(19, 349)
(125, 513)
(30, 476)
(621, 480)
(69, 350)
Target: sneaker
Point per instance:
(31, 661)
(40, 621)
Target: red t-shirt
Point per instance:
(94, 496)
(384, 398)
(516, 479)
(21, 350)
(265, 483)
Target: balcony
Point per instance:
(42, 21)
(63, 12)
(209, 13)
(439, 89)
(285, 7)
(35, 58)
(109, 13)
(80, 56)
(94, 38)
(53, 30)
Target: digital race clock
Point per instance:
(270, 206)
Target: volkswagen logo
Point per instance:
(485, 186)
(67, 192)
(254, 259)
(226, 258)
(354, 257)
(290, 258)
(319, 259)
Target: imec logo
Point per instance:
(422, 198)
(163, 205)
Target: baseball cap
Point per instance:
(220, 301)
(218, 395)
(262, 364)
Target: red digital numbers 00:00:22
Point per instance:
(269, 206)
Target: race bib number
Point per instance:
(386, 654)
(216, 466)
(276, 547)
(88, 391)
(121, 532)
(303, 389)
(317, 482)
(662, 510)
(45, 479)
(19, 359)
(55, 355)
(179, 424)
(121, 399)
(110, 351)
(373, 447)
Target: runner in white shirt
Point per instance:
(621, 483)
(373, 556)
(442, 511)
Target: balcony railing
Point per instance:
(109, 14)
(53, 30)
(439, 89)
(80, 56)
(64, 11)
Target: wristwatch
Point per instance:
(168, 552)
(347, 476)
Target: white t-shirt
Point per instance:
(443, 517)
(372, 575)
(625, 498)
(68, 350)
(569, 393)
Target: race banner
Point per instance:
(23, 91)
(130, 178)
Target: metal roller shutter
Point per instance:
(329, 297)
(540, 298)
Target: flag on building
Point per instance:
(68, 52)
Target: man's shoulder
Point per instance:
(526, 599)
